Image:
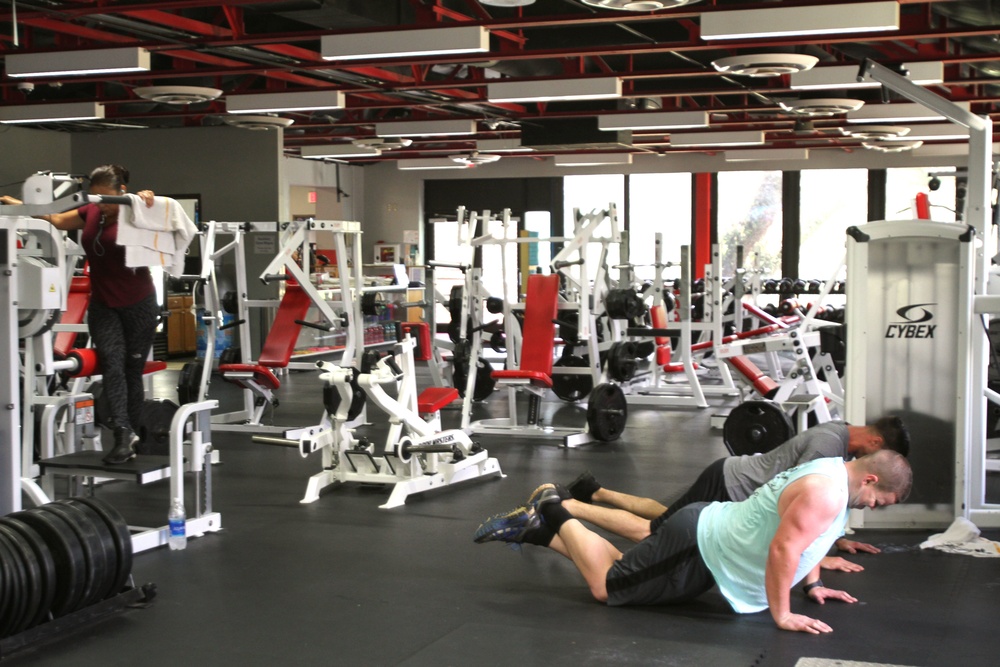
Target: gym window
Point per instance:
(750, 215)
(830, 201)
(595, 192)
(658, 203)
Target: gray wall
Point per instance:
(236, 172)
(26, 151)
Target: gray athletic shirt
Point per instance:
(745, 474)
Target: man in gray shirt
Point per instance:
(734, 478)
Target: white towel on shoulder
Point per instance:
(156, 235)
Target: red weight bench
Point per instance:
(541, 306)
(275, 353)
(431, 400)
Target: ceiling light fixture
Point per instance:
(554, 90)
(892, 146)
(821, 106)
(52, 113)
(797, 21)
(846, 76)
(874, 131)
(903, 112)
(660, 120)
(257, 122)
(309, 100)
(339, 151)
(765, 64)
(425, 128)
(181, 95)
(474, 159)
(77, 63)
(938, 132)
(382, 143)
(593, 159)
(511, 145)
(767, 154)
(638, 5)
(506, 3)
(399, 43)
(708, 139)
(429, 163)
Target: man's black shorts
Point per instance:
(664, 568)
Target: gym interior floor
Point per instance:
(341, 581)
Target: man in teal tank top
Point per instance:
(755, 550)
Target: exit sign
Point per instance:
(312, 197)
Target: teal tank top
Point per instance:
(734, 538)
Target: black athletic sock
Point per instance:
(541, 536)
(554, 515)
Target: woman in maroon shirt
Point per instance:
(123, 309)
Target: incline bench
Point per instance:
(275, 353)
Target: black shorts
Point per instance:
(664, 568)
(710, 487)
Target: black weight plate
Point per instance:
(568, 387)
(189, 382)
(46, 564)
(607, 412)
(119, 533)
(108, 546)
(32, 592)
(154, 426)
(485, 383)
(756, 427)
(67, 553)
(17, 579)
(8, 601)
(95, 558)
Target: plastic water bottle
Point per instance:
(178, 525)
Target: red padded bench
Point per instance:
(764, 385)
(77, 302)
(280, 341)
(538, 333)
(432, 399)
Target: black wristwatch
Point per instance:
(808, 587)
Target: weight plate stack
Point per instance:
(59, 558)
(13, 598)
(47, 566)
(95, 551)
(120, 535)
(67, 554)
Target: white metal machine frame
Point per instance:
(977, 299)
(417, 457)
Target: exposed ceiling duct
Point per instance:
(206, 51)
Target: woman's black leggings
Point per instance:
(123, 337)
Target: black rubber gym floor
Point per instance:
(342, 582)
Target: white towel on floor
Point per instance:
(156, 235)
(962, 537)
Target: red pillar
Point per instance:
(702, 242)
